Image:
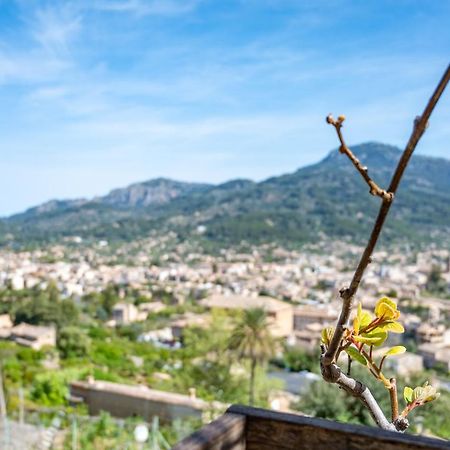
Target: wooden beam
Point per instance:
(269, 430)
(225, 433)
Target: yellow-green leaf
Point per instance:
(357, 319)
(424, 394)
(359, 313)
(433, 397)
(418, 393)
(385, 311)
(408, 394)
(356, 325)
(327, 334)
(377, 329)
(394, 327)
(397, 350)
(365, 319)
(386, 300)
(386, 308)
(372, 338)
(354, 354)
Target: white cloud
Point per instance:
(147, 7)
(55, 27)
(42, 54)
(31, 67)
(48, 93)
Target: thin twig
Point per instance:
(330, 371)
(374, 188)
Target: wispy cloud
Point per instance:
(42, 54)
(147, 7)
(54, 28)
(30, 68)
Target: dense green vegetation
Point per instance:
(296, 359)
(39, 307)
(85, 347)
(225, 361)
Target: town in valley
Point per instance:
(141, 329)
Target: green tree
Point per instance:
(73, 342)
(52, 388)
(212, 341)
(251, 339)
(323, 400)
(40, 309)
(435, 283)
(49, 389)
(108, 299)
(212, 381)
(53, 292)
(296, 359)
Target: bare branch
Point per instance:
(374, 188)
(348, 294)
(334, 374)
(330, 371)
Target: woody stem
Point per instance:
(394, 399)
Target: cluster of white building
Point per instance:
(308, 280)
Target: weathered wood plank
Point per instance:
(225, 433)
(272, 430)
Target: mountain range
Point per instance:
(325, 199)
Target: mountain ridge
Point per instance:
(328, 197)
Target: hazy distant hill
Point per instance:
(328, 197)
(154, 192)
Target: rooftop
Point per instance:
(315, 311)
(31, 331)
(141, 391)
(242, 302)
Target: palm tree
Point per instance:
(251, 339)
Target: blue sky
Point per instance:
(97, 94)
